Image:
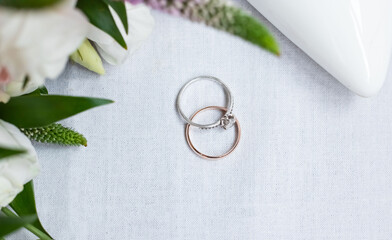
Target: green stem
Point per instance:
(29, 227)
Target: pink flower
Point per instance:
(4, 76)
(33, 45)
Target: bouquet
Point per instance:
(38, 38)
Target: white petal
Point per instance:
(17, 170)
(38, 43)
(140, 24)
(8, 191)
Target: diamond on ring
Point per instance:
(227, 121)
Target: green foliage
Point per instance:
(100, 16)
(222, 15)
(55, 133)
(7, 152)
(43, 90)
(120, 9)
(24, 205)
(31, 4)
(219, 14)
(39, 91)
(42, 110)
(11, 224)
(248, 28)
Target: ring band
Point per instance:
(229, 106)
(205, 156)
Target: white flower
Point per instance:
(140, 24)
(36, 44)
(15, 171)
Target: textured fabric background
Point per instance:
(315, 160)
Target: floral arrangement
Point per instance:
(37, 39)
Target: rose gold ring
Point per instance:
(205, 156)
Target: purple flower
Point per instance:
(219, 14)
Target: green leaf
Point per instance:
(24, 205)
(250, 29)
(39, 91)
(7, 152)
(38, 111)
(43, 90)
(11, 224)
(100, 16)
(120, 9)
(28, 3)
(225, 17)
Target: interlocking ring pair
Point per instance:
(227, 121)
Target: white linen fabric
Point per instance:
(314, 162)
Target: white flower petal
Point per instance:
(140, 24)
(8, 191)
(17, 170)
(37, 43)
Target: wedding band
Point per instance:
(205, 156)
(225, 121)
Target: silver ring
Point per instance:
(226, 121)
